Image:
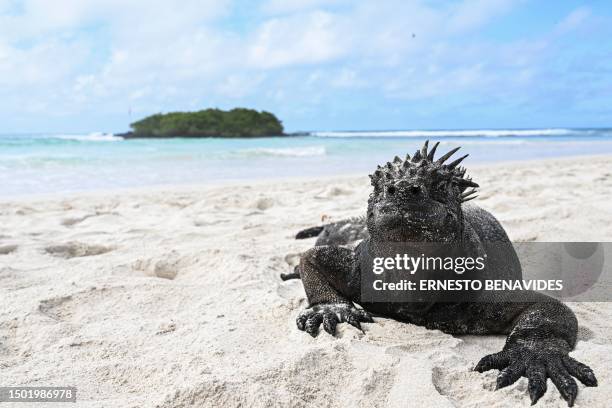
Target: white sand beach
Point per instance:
(171, 297)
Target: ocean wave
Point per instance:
(283, 151)
(91, 137)
(455, 133)
(492, 142)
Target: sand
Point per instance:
(170, 297)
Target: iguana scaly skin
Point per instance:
(343, 232)
(422, 200)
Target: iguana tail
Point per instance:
(309, 232)
(293, 275)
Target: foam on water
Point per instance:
(454, 133)
(283, 152)
(90, 137)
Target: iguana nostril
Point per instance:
(414, 190)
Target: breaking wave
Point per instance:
(283, 151)
(90, 137)
(458, 133)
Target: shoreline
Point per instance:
(187, 187)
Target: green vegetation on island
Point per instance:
(238, 122)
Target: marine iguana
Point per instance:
(419, 200)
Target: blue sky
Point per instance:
(97, 65)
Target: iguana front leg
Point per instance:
(330, 279)
(538, 347)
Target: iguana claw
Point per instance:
(538, 360)
(330, 314)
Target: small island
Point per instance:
(238, 122)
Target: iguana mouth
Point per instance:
(414, 222)
(419, 215)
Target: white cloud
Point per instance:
(300, 39)
(573, 20)
(40, 65)
(292, 6)
(470, 14)
(347, 78)
(75, 56)
(38, 18)
(237, 86)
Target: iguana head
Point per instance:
(418, 199)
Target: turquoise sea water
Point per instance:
(52, 163)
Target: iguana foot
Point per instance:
(538, 360)
(330, 314)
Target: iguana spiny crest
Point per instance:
(421, 169)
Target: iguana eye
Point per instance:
(391, 190)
